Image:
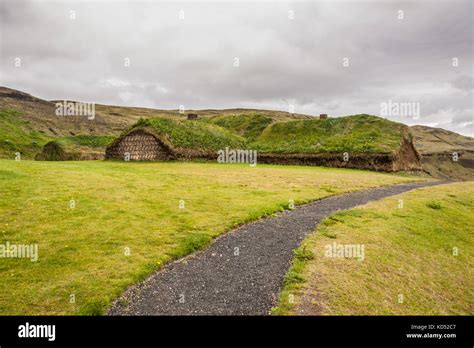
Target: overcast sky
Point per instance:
(288, 53)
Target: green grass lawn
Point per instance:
(122, 206)
(418, 258)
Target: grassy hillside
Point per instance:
(134, 113)
(418, 249)
(17, 135)
(358, 133)
(28, 122)
(41, 116)
(435, 140)
(437, 147)
(82, 246)
(110, 119)
(192, 134)
(32, 118)
(78, 147)
(89, 140)
(247, 126)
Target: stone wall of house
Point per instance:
(141, 146)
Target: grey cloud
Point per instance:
(464, 83)
(190, 62)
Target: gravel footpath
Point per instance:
(242, 271)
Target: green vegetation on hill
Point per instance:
(247, 126)
(358, 133)
(77, 147)
(191, 134)
(16, 135)
(87, 140)
(28, 122)
(109, 119)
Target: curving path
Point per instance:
(241, 273)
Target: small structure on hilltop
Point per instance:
(323, 116)
(192, 116)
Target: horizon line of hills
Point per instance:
(33, 123)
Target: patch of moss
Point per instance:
(248, 126)
(192, 134)
(353, 134)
